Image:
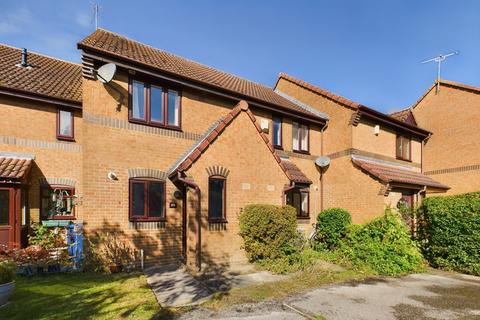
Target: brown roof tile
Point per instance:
(106, 42)
(391, 173)
(47, 77)
(290, 169)
(12, 168)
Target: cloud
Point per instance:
(83, 20)
(15, 21)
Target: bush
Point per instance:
(384, 246)
(450, 228)
(296, 261)
(268, 231)
(332, 227)
(7, 271)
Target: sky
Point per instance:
(367, 51)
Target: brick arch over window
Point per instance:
(217, 171)
(147, 173)
(57, 182)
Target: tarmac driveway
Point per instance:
(436, 295)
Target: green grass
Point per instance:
(312, 277)
(84, 296)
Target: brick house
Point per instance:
(168, 153)
(451, 155)
(376, 160)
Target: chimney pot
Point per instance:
(24, 58)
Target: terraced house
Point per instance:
(450, 110)
(168, 153)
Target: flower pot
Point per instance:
(6, 291)
(115, 268)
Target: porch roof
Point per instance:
(14, 168)
(392, 173)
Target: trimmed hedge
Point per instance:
(332, 227)
(267, 230)
(451, 232)
(383, 245)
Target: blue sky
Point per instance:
(368, 51)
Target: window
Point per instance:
(216, 199)
(65, 125)
(403, 148)
(5, 206)
(154, 105)
(277, 132)
(147, 200)
(57, 202)
(300, 137)
(299, 199)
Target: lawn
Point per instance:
(83, 296)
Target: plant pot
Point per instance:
(6, 291)
(115, 268)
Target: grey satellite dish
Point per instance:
(322, 162)
(106, 72)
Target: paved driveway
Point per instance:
(429, 296)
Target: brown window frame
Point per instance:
(147, 86)
(399, 140)
(43, 215)
(72, 116)
(224, 200)
(300, 149)
(280, 120)
(299, 210)
(146, 205)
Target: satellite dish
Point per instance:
(106, 72)
(322, 162)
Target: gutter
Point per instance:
(198, 219)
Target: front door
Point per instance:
(9, 223)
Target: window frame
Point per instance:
(72, 122)
(53, 187)
(401, 138)
(280, 119)
(300, 150)
(224, 202)
(147, 87)
(305, 191)
(146, 209)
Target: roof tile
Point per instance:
(14, 168)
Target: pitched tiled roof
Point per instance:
(108, 43)
(291, 170)
(47, 77)
(405, 115)
(397, 174)
(14, 168)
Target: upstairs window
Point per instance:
(57, 202)
(216, 199)
(403, 148)
(65, 125)
(154, 105)
(300, 137)
(147, 200)
(277, 132)
(300, 200)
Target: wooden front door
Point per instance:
(9, 217)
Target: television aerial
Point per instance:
(439, 59)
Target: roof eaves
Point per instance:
(303, 105)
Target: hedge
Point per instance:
(451, 232)
(267, 230)
(332, 226)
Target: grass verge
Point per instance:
(84, 296)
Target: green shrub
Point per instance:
(384, 246)
(268, 231)
(297, 261)
(332, 227)
(7, 271)
(451, 232)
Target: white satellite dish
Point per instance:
(322, 162)
(106, 72)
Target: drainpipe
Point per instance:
(198, 220)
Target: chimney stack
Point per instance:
(24, 58)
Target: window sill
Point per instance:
(303, 218)
(402, 159)
(148, 220)
(302, 152)
(217, 221)
(61, 218)
(155, 125)
(70, 139)
(278, 147)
